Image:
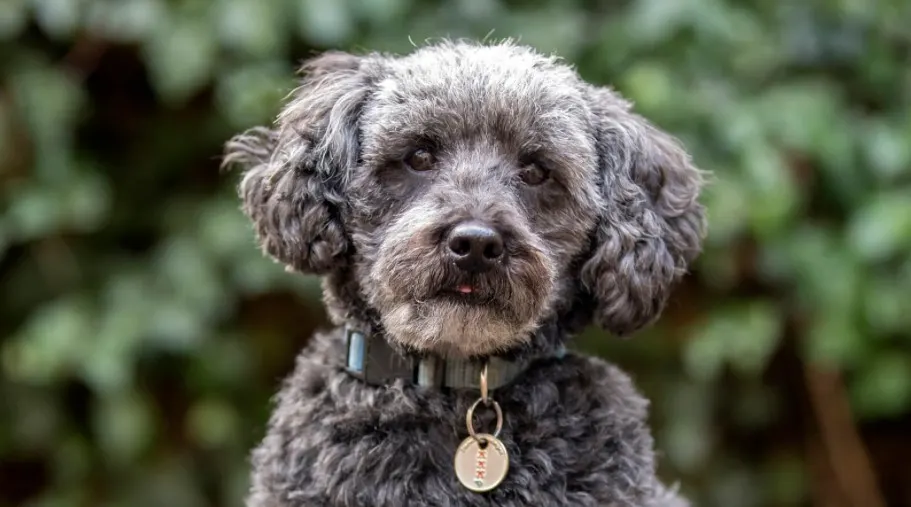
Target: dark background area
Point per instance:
(142, 332)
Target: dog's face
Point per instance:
(470, 190)
(477, 187)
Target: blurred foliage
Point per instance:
(142, 333)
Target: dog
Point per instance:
(470, 207)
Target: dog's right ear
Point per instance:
(293, 173)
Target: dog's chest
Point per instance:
(569, 440)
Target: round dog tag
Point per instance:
(481, 462)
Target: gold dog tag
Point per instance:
(481, 462)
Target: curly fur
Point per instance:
(603, 240)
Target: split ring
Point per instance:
(470, 416)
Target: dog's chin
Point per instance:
(454, 325)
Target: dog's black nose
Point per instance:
(475, 246)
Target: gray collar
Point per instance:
(371, 359)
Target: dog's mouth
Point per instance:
(466, 294)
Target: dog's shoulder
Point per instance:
(587, 383)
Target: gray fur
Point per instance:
(602, 241)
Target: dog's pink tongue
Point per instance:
(465, 289)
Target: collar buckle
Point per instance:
(374, 361)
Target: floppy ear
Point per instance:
(292, 185)
(651, 225)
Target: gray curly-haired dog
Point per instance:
(467, 205)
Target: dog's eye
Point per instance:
(420, 160)
(533, 174)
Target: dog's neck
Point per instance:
(371, 358)
(374, 358)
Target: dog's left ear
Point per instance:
(651, 224)
(294, 172)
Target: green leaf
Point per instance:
(887, 148)
(809, 117)
(51, 102)
(123, 426)
(110, 367)
(882, 386)
(81, 203)
(72, 460)
(181, 56)
(743, 335)
(123, 323)
(252, 26)
(324, 23)
(704, 355)
(801, 115)
(224, 361)
(13, 18)
(885, 304)
(184, 271)
(33, 212)
(654, 21)
(176, 326)
(815, 253)
(256, 276)
(58, 18)
(51, 343)
(250, 94)
(754, 333)
(774, 196)
(787, 480)
(87, 202)
(126, 21)
(882, 227)
(688, 442)
(736, 123)
(649, 85)
(833, 338)
(212, 423)
(224, 231)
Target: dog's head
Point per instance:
(471, 192)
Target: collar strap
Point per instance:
(371, 359)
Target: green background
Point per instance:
(142, 333)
